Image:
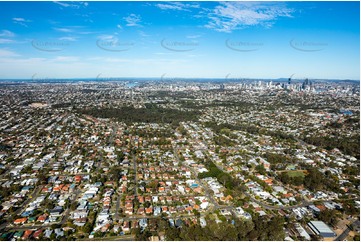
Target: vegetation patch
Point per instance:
(348, 145)
(296, 174)
(150, 114)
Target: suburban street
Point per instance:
(22, 207)
(345, 233)
(205, 188)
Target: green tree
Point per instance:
(87, 228)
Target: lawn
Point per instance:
(295, 173)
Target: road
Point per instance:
(135, 175)
(345, 233)
(64, 219)
(271, 207)
(31, 197)
(111, 138)
(67, 211)
(116, 216)
(303, 143)
(26, 227)
(303, 203)
(137, 217)
(205, 188)
(128, 237)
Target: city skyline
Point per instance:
(316, 40)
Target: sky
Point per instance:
(319, 40)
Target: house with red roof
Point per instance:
(20, 221)
(27, 234)
(42, 218)
(149, 210)
(37, 234)
(77, 178)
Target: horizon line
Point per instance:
(165, 78)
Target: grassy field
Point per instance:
(295, 173)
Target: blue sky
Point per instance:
(180, 39)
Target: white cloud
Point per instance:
(74, 29)
(6, 41)
(229, 16)
(64, 30)
(87, 32)
(7, 53)
(21, 21)
(176, 6)
(133, 20)
(72, 5)
(63, 4)
(119, 26)
(65, 59)
(10, 61)
(107, 37)
(6, 33)
(68, 38)
(163, 53)
(193, 36)
(143, 34)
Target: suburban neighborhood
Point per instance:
(72, 171)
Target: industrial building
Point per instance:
(321, 229)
